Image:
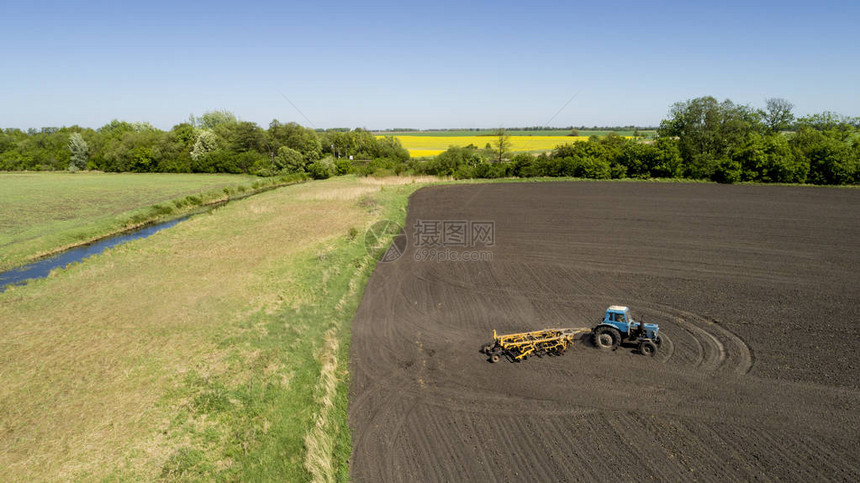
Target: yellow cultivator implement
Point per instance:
(536, 343)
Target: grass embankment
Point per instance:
(43, 213)
(217, 349)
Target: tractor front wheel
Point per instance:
(647, 348)
(607, 338)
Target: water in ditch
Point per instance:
(42, 268)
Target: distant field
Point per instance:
(432, 145)
(43, 211)
(489, 132)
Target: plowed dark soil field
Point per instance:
(757, 293)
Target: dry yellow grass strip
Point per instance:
(400, 180)
(320, 441)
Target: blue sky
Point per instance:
(422, 65)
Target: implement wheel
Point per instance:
(495, 357)
(647, 348)
(606, 338)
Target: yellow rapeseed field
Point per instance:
(432, 145)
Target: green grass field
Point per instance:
(42, 212)
(215, 350)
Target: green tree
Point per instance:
(727, 171)
(390, 147)
(595, 168)
(521, 164)
(502, 143)
(134, 151)
(362, 144)
(828, 143)
(831, 160)
(206, 142)
(335, 142)
(176, 148)
(830, 124)
(770, 158)
(289, 160)
(184, 135)
(708, 131)
(213, 119)
(246, 136)
(451, 160)
(777, 114)
(142, 159)
(668, 163)
(660, 159)
(292, 135)
(79, 152)
(322, 168)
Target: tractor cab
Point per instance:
(618, 326)
(617, 314)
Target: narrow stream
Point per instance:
(41, 269)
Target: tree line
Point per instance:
(701, 138)
(216, 142)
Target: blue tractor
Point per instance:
(618, 327)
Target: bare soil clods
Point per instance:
(756, 292)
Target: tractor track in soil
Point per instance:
(755, 291)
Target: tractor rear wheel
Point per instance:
(607, 338)
(647, 348)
